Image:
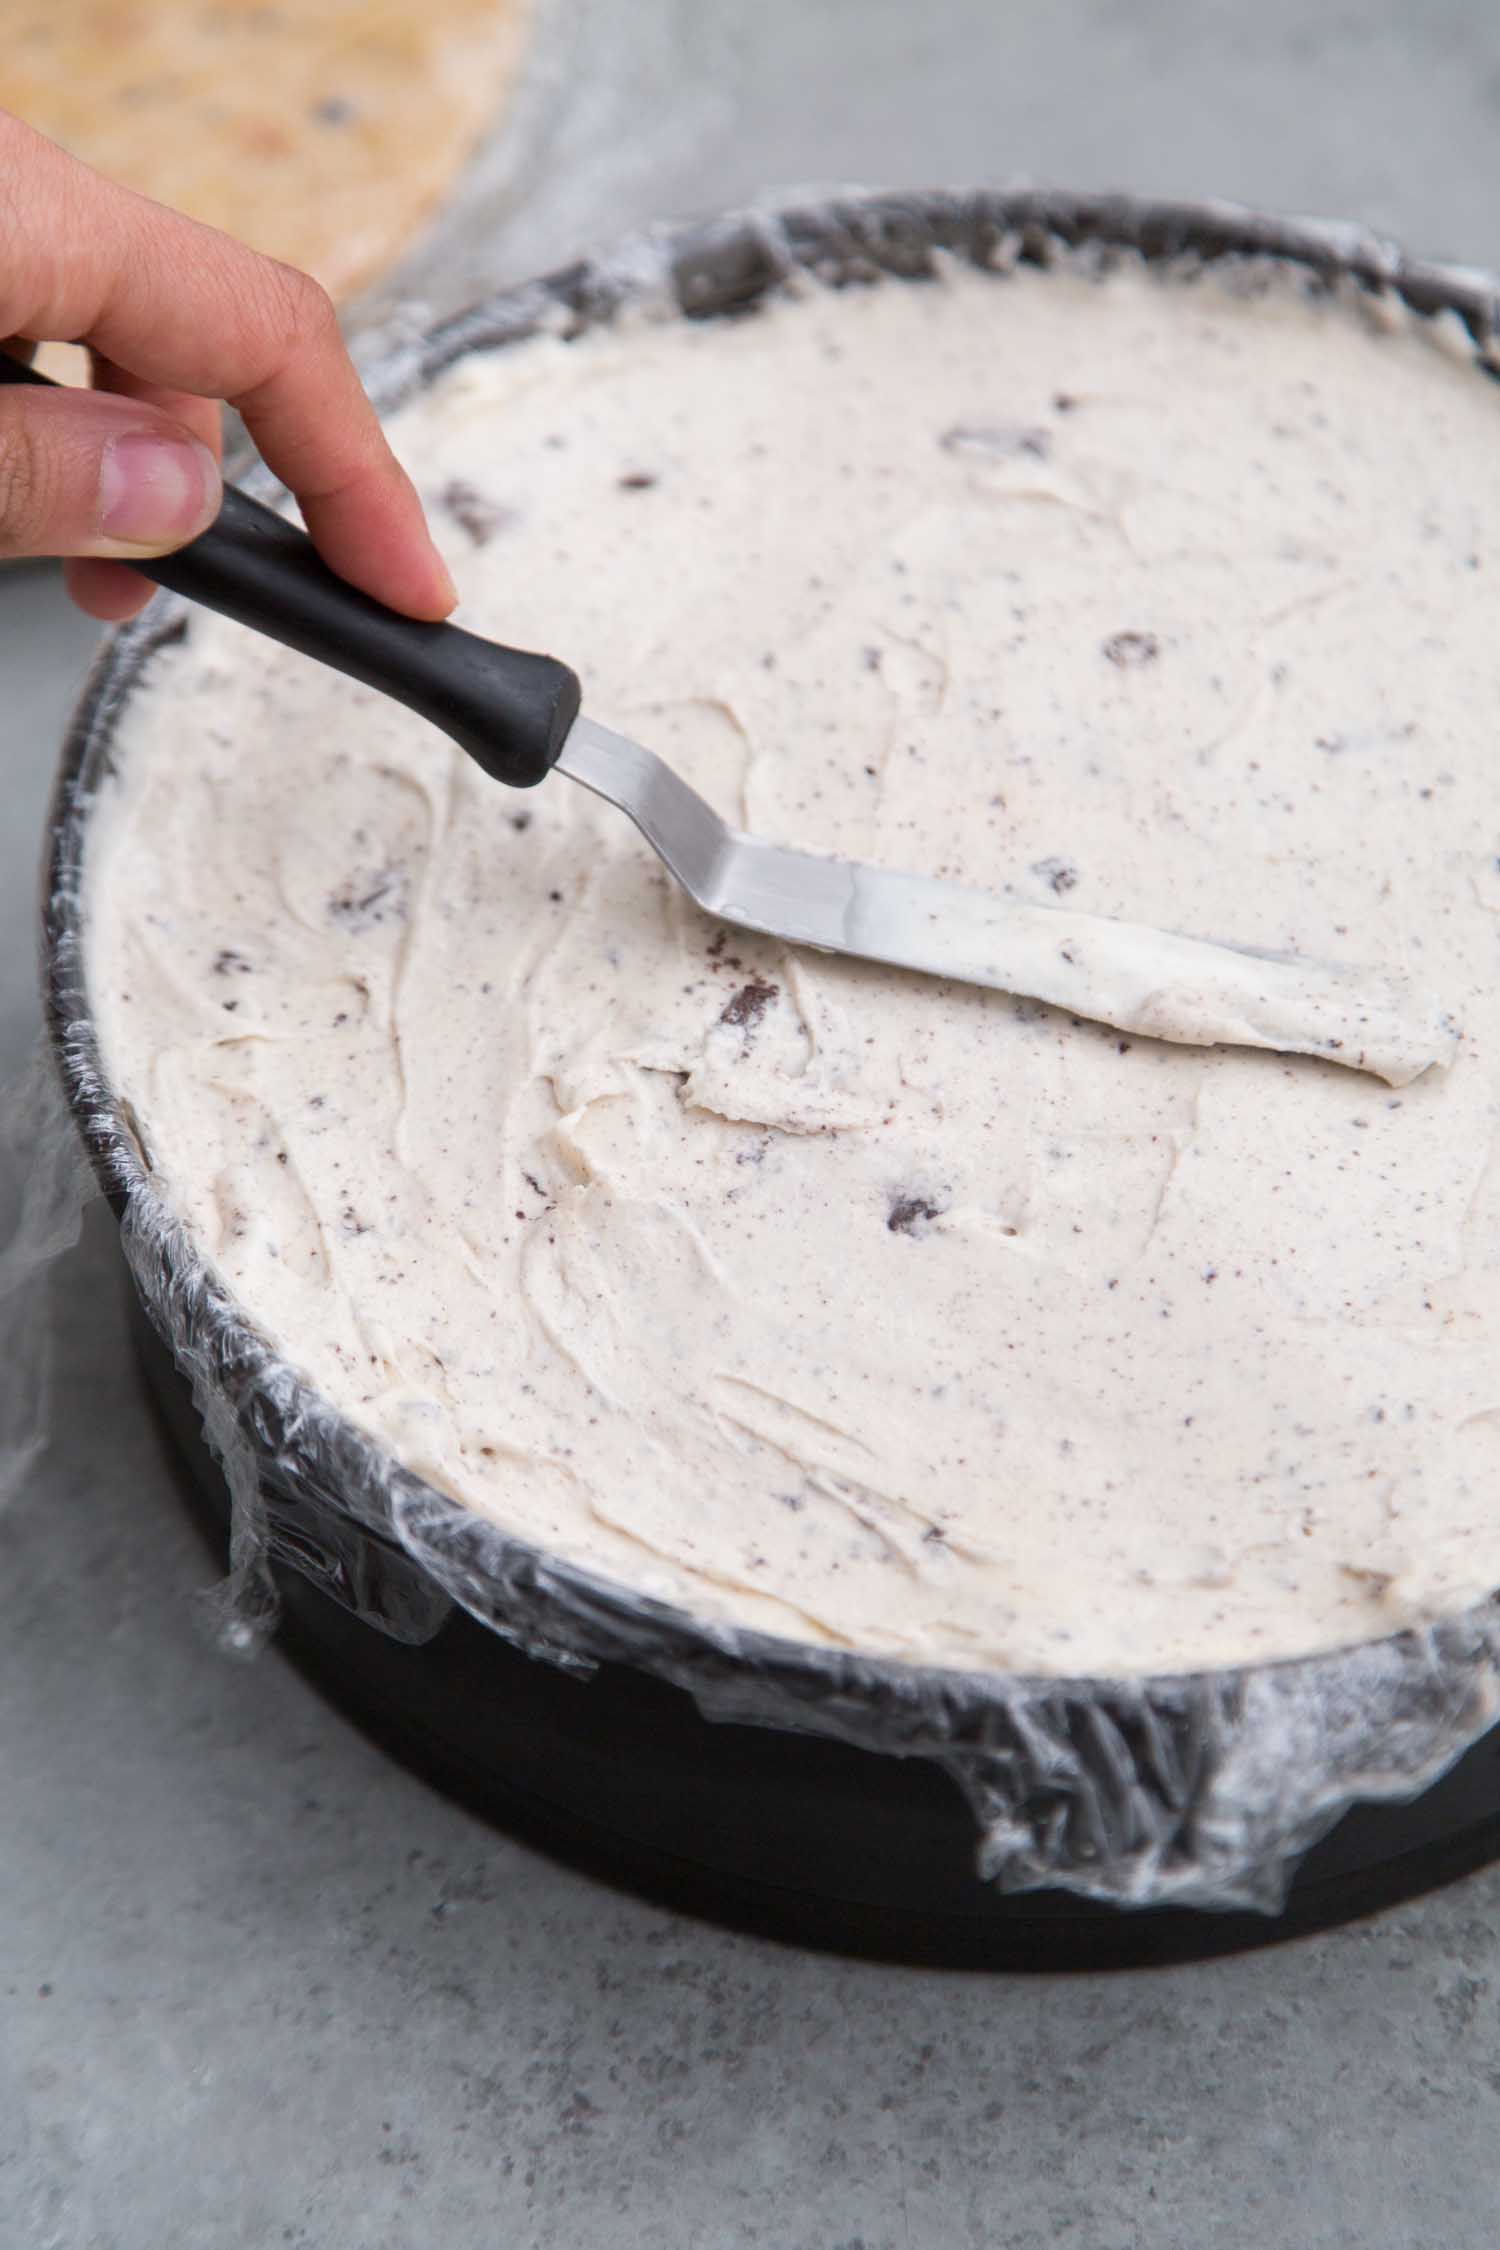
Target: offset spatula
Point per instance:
(517, 715)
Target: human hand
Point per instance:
(177, 317)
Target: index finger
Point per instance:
(184, 308)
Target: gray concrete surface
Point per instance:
(258, 1988)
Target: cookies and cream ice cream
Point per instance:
(841, 1303)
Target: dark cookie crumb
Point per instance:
(520, 820)
(474, 512)
(1057, 873)
(718, 956)
(749, 1004)
(366, 900)
(229, 963)
(638, 480)
(1127, 649)
(913, 1214)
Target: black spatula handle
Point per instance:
(509, 709)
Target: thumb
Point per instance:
(88, 473)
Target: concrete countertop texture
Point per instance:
(259, 1987)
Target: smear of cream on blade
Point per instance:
(1159, 983)
(816, 1296)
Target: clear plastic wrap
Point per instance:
(1200, 1790)
(44, 1185)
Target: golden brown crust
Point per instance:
(324, 135)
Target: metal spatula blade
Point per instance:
(517, 715)
(1153, 982)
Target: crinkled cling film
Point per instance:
(1198, 1790)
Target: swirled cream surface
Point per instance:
(844, 1304)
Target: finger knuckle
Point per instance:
(306, 311)
(280, 314)
(24, 484)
